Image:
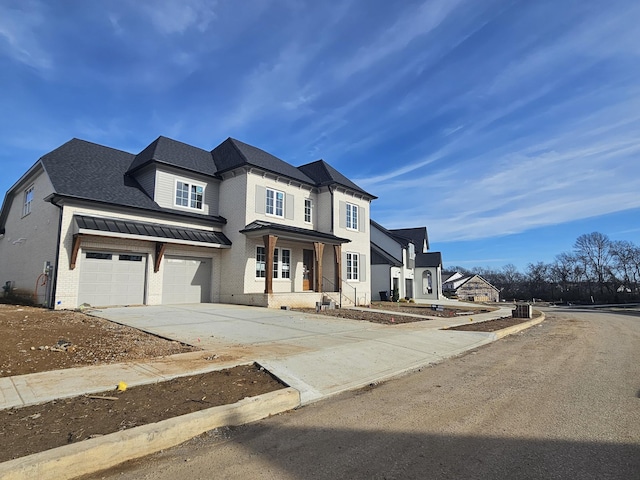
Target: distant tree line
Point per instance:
(598, 270)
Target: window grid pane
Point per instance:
(355, 267)
(275, 263)
(269, 204)
(182, 194)
(28, 198)
(286, 263)
(352, 266)
(279, 204)
(196, 197)
(260, 262)
(307, 210)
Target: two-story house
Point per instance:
(400, 261)
(89, 224)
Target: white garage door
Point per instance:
(186, 280)
(108, 278)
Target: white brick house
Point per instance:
(400, 261)
(178, 224)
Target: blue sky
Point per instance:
(508, 128)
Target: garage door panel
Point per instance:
(186, 280)
(105, 279)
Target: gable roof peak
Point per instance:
(176, 153)
(324, 174)
(233, 153)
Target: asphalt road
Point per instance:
(560, 400)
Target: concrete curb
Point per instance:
(104, 452)
(518, 328)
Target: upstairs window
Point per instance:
(352, 216)
(189, 195)
(307, 210)
(28, 200)
(275, 203)
(412, 252)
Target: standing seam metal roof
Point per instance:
(129, 227)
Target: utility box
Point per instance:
(522, 310)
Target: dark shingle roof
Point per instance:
(89, 171)
(324, 174)
(431, 259)
(233, 153)
(86, 170)
(171, 152)
(417, 236)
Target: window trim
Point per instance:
(274, 206)
(351, 275)
(27, 203)
(308, 214)
(190, 194)
(351, 221)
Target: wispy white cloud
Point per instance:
(19, 39)
(170, 17)
(414, 23)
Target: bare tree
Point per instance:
(568, 273)
(538, 279)
(594, 252)
(626, 258)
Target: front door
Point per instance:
(307, 270)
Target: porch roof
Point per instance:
(260, 228)
(119, 228)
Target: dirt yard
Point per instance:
(37, 340)
(37, 428)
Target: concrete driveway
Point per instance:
(318, 355)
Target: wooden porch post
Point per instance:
(269, 246)
(319, 248)
(337, 251)
(77, 240)
(160, 248)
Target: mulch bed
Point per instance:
(491, 325)
(374, 317)
(37, 428)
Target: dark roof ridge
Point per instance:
(87, 141)
(237, 149)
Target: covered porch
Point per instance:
(314, 264)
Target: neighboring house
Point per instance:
(400, 260)
(469, 287)
(178, 224)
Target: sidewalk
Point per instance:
(43, 387)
